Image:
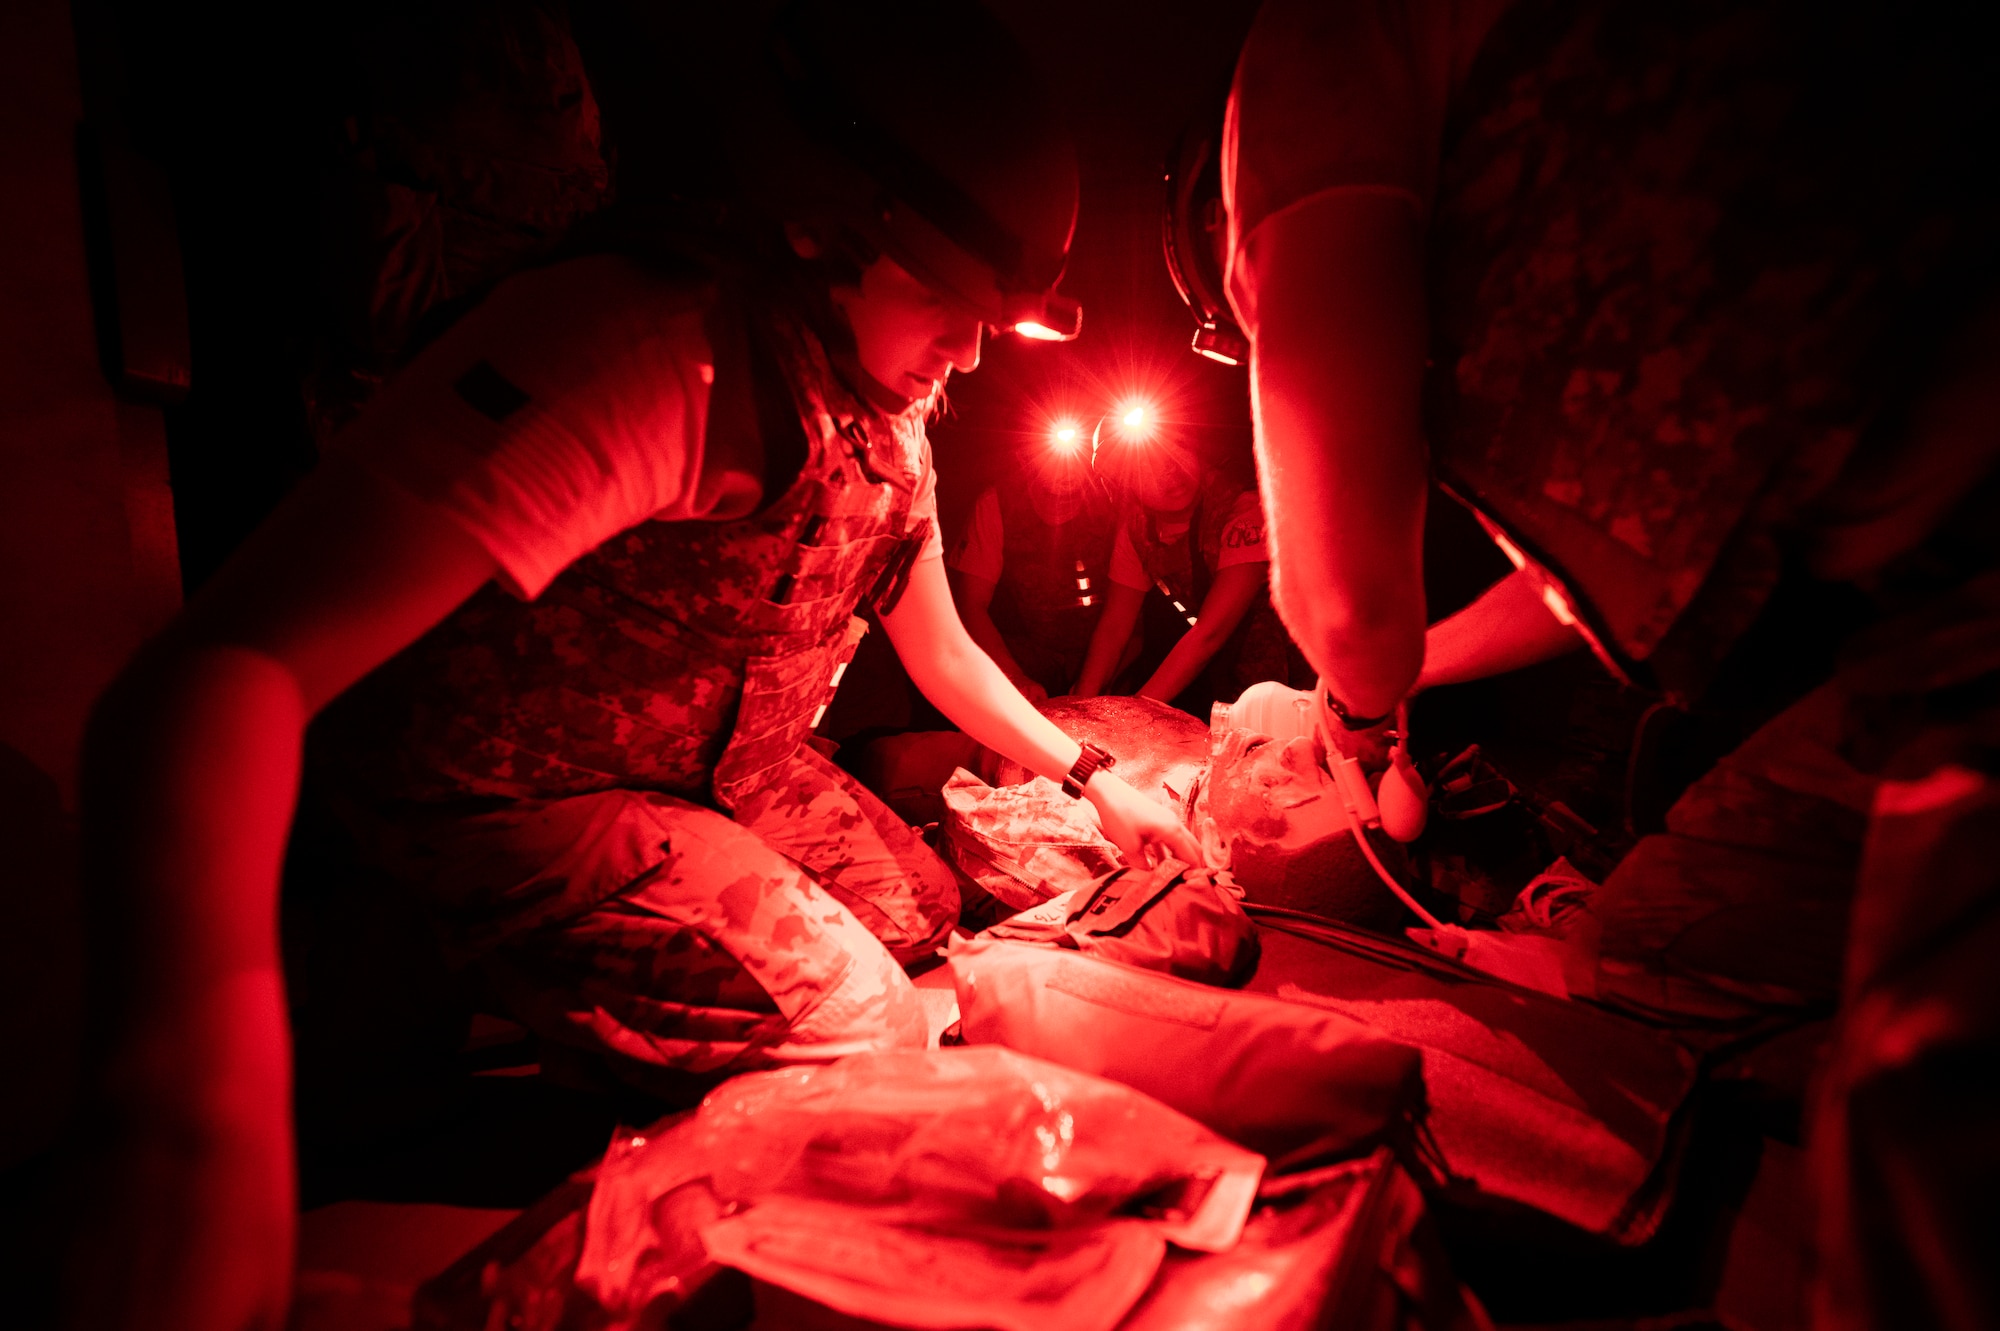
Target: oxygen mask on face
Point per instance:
(1397, 806)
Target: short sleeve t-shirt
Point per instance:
(1343, 95)
(981, 549)
(1242, 543)
(571, 405)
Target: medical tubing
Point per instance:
(1402, 893)
(1356, 823)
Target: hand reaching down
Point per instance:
(1144, 831)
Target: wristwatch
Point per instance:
(1347, 720)
(1086, 767)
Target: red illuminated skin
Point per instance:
(191, 776)
(1168, 489)
(1331, 293)
(1507, 628)
(974, 596)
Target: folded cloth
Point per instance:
(1024, 844)
(919, 1163)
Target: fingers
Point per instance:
(1186, 849)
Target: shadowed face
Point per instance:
(906, 336)
(1165, 481)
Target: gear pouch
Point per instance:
(1186, 922)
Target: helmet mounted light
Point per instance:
(1193, 229)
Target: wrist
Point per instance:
(1348, 718)
(1090, 762)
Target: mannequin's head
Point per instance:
(1272, 811)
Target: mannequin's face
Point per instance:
(1273, 813)
(1274, 791)
(906, 336)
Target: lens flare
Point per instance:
(1066, 436)
(1136, 420)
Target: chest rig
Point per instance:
(686, 657)
(1183, 566)
(1684, 256)
(1053, 574)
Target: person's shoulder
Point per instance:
(1338, 94)
(1243, 530)
(607, 284)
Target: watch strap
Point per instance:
(1348, 721)
(1087, 764)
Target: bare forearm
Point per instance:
(1338, 346)
(970, 688)
(1347, 573)
(1187, 659)
(191, 770)
(1507, 628)
(966, 686)
(1107, 641)
(1235, 589)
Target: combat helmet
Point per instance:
(919, 130)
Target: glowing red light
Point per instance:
(1135, 420)
(1039, 332)
(1066, 436)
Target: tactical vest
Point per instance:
(1183, 568)
(684, 657)
(1683, 256)
(1052, 580)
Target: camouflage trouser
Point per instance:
(1741, 909)
(672, 939)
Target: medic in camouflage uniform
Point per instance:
(687, 454)
(568, 779)
(1693, 304)
(573, 781)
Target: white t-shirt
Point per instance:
(1242, 543)
(569, 406)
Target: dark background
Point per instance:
(238, 112)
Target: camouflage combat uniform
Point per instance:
(1686, 261)
(606, 794)
(1184, 567)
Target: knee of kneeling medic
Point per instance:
(874, 1007)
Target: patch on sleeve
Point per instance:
(489, 392)
(1244, 533)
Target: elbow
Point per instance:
(1371, 617)
(1383, 634)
